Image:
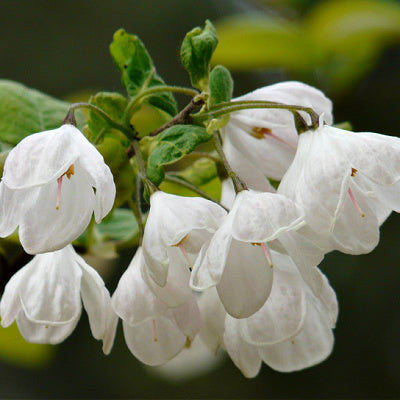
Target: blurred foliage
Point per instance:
(335, 43)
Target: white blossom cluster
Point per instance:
(245, 280)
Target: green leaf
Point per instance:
(173, 144)
(24, 111)
(196, 52)
(221, 85)
(138, 71)
(200, 172)
(115, 156)
(114, 104)
(120, 225)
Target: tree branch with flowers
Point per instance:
(231, 204)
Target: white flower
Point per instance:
(267, 138)
(52, 183)
(347, 183)
(45, 298)
(237, 260)
(154, 332)
(292, 331)
(177, 224)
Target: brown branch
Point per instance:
(180, 118)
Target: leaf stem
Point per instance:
(182, 117)
(156, 89)
(183, 182)
(229, 107)
(237, 182)
(128, 131)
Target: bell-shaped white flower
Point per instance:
(45, 298)
(291, 331)
(154, 332)
(237, 259)
(267, 138)
(177, 224)
(347, 183)
(52, 183)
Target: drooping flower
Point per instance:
(237, 261)
(177, 224)
(52, 183)
(347, 183)
(291, 331)
(267, 138)
(45, 298)
(154, 331)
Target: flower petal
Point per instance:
(311, 346)
(246, 281)
(133, 301)
(49, 154)
(263, 217)
(10, 301)
(46, 228)
(97, 303)
(188, 318)
(176, 290)
(213, 314)
(244, 356)
(154, 343)
(282, 316)
(50, 288)
(45, 334)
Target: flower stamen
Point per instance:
(69, 172)
(153, 321)
(261, 133)
(185, 254)
(355, 203)
(266, 254)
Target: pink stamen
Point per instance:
(154, 329)
(180, 245)
(355, 203)
(281, 140)
(267, 255)
(59, 180)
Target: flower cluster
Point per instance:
(245, 280)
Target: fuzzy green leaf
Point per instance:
(196, 52)
(138, 71)
(221, 85)
(24, 111)
(173, 144)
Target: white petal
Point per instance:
(101, 177)
(133, 301)
(247, 280)
(317, 180)
(50, 288)
(10, 301)
(282, 316)
(45, 228)
(171, 219)
(43, 333)
(151, 349)
(213, 314)
(176, 290)
(245, 356)
(263, 217)
(311, 346)
(97, 302)
(244, 168)
(13, 204)
(41, 158)
(200, 278)
(188, 318)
